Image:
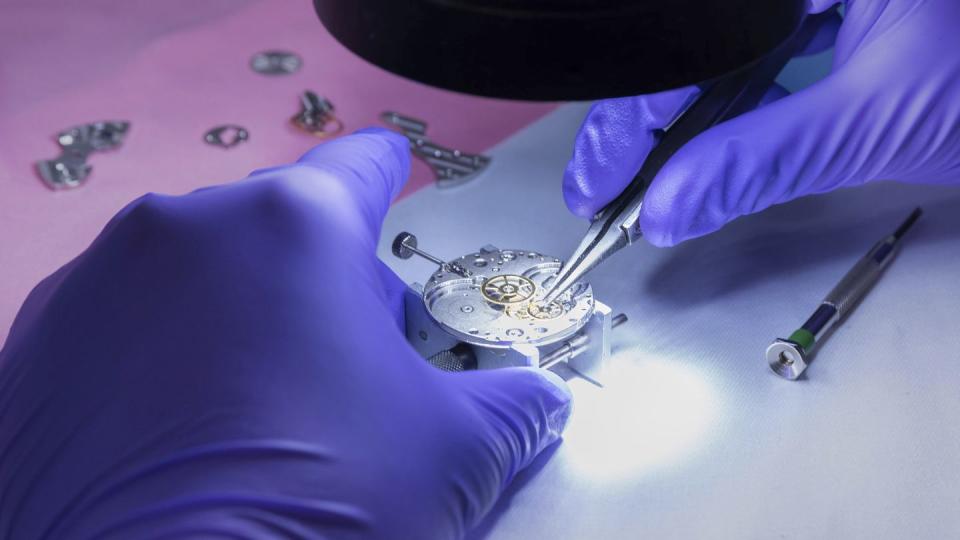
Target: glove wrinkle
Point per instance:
(327, 514)
(98, 488)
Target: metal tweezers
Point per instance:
(618, 224)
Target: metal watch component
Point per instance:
(790, 357)
(275, 63)
(226, 136)
(450, 167)
(498, 305)
(575, 346)
(316, 116)
(507, 289)
(70, 168)
(484, 310)
(405, 246)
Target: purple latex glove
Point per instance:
(230, 363)
(889, 110)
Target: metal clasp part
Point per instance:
(275, 63)
(451, 167)
(316, 116)
(226, 136)
(70, 168)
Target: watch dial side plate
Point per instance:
(498, 303)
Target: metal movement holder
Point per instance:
(584, 351)
(790, 357)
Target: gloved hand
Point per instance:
(230, 363)
(890, 110)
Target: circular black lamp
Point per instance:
(560, 49)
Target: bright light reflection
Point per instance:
(651, 413)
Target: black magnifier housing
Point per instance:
(561, 50)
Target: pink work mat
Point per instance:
(174, 69)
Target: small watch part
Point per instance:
(450, 167)
(316, 116)
(545, 311)
(405, 246)
(507, 289)
(226, 136)
(70, 169)
(275, 63)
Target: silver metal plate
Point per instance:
(70, 169)
(275, 63)
(498, 305)
(451, 167)
(226, 136)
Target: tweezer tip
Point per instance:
(556, 289)
(911, 219)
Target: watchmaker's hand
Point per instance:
(889, 110)
(230, 363)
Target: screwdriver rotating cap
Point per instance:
(787, 358)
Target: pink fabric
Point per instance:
(174, 69)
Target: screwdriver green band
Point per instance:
(802, 338)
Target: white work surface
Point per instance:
(693, 436)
